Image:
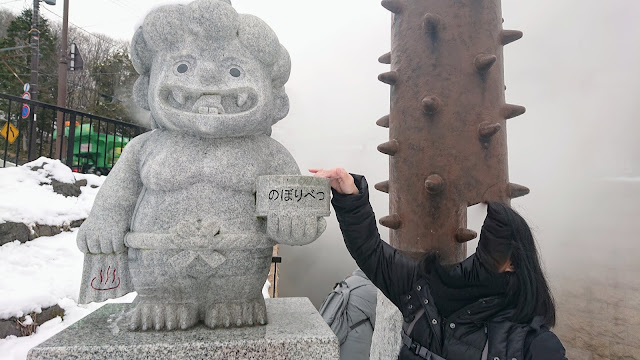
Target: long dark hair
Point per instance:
(529, 288)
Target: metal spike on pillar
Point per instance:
(391, 221)
(432, 23)
(383, 121)
(389, 148)
(510, 111)
(390, 77)
(382, 186)
(509, 36)
(463, 235)
(484, 62)
(392, 5)
(486, 130)
(434, 184)
(385, 59)
(516, 190)
(431, 104)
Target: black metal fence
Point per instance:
(90, 144)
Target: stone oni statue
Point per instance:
(175, 219)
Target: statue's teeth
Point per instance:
(242, 98)
(179, 96)
(208, 110)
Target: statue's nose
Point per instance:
(209, 74)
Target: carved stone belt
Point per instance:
(156, 241)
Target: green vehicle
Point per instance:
(94, 152)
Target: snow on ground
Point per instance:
(23, 200)
(45, 271)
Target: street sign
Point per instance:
(9, 132)
(25, 111)
(27, 87)
(26, 95)
(75, 59)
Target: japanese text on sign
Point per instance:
(296, 195)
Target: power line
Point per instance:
(81, 28)
(9, 2)
(75, 84)
(118, 3)
(114, 73)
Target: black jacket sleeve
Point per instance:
(546, 346)
(386, 267)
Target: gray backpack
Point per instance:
(334, 306)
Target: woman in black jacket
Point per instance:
(494, 305)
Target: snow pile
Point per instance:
(43, 271)
(25, 201)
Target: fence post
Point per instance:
(70, 139)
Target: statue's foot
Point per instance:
(245, 313)
(155, 316)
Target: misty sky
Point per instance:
(576, 70)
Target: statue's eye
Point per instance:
(182, 68)
(235, 72)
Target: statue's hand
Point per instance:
(295, 229)
(99, 238)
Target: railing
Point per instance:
(91, 143)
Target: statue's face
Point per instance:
(220, 91)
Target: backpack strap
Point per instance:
(358, 283)
(408, 327)
(358, 323)
(418, 349)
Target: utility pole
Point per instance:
(62, 80)
(35, 38)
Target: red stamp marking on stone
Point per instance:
(107, 280)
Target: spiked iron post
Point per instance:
(447, 126)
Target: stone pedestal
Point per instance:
(386, 340)
(295, 331)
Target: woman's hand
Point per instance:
(341, 180)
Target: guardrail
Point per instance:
(91, 143)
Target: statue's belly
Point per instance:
(200, 208)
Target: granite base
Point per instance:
(386, 340)
(295, 331)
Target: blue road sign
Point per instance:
(25, 111)
(27, 87)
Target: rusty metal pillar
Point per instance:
(447, 125)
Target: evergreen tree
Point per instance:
(16, 65)
(19, 61)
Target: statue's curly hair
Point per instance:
(210, 21)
